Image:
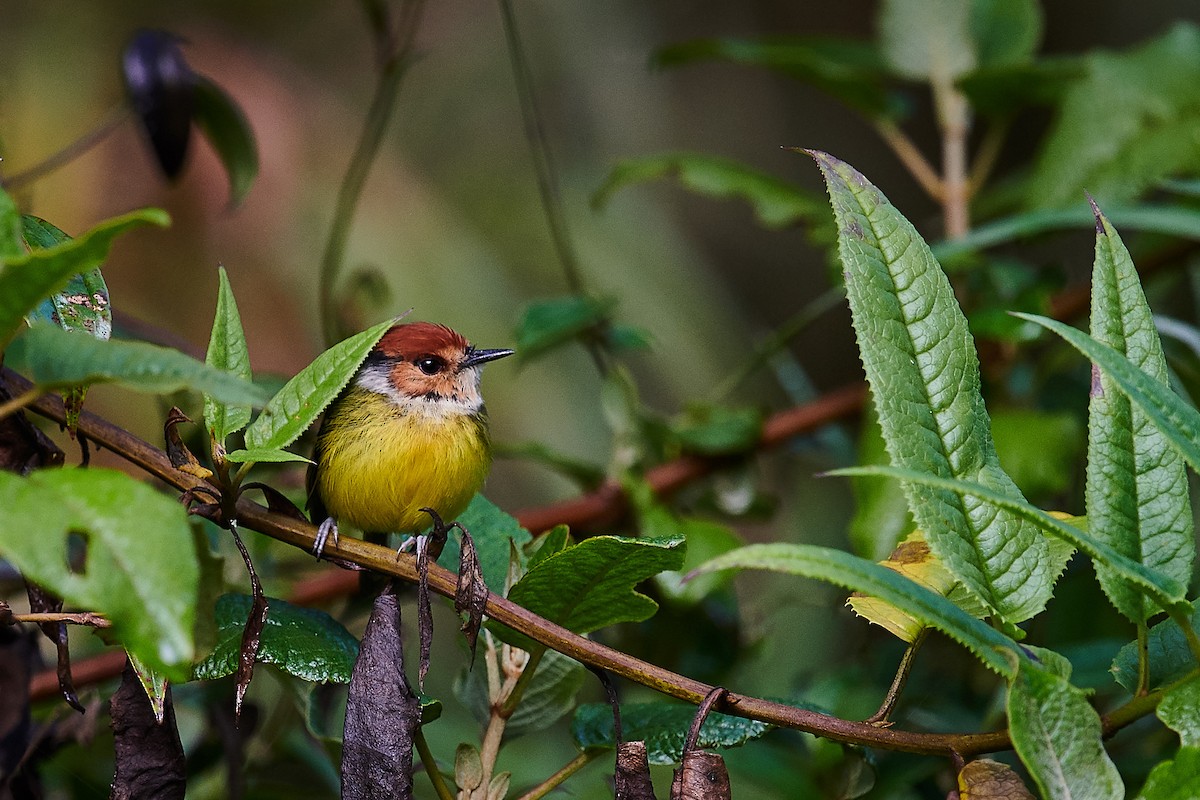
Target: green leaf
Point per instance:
(495, 532)
(851, 572)
(776, 203)
(1056, 732)
(927, 40)
(10, 229)
(1166, 591)
(705, 540)
(1168, 220)
(224, 125)
(549, 697)
(1002, 90)
(1005, 31)
(140, 569)
(1137, 489)
(302, 399)
(265, 456)
(1126, 125)
(547, 324)
(28, 278)
(1180, 711)
(924, 375)
(591, 585)
(718, 430)
(849, 70)
(56, 359)
(227, 351)
(83, 303)
(1167, 653)
(1177, 779)
(1177, 420)
(303, 642)
(663, 727)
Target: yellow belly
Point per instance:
(378, 466)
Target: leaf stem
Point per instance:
(954, 118)
(986, 156)
(114, 119)
(431, 768)
(1143, 651)
(89, 618)
(911, 157)
(392, 70)
(558, 778)
(902, 672)
(543, 161)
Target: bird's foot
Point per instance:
(325, 531)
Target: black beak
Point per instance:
(476, 357)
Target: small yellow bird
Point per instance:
(410, 432)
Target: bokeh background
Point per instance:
(451, 218)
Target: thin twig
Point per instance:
(911, 157)
(902, 672)
(15, 404)
(986, 156)
(954, 119)
(554, 781)
(115, 118)
(375, 125)
(89, 618)
(544, 169)
(431, 767)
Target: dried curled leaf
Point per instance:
(149, 755)
(985, 779)
(382, 712)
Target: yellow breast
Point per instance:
(378, 465)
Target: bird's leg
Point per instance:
(326, 530)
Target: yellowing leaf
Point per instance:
(912, 559)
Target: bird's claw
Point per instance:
(325, 531)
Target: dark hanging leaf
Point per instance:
(494, 533)
(632, 780)
(161, 87)
(701, 776)
(225, 126)
(44, 602)
(256, 620)
(149, 756)
(382, 712)
(424, 611)
(471, 593)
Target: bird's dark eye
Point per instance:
(430, 365)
